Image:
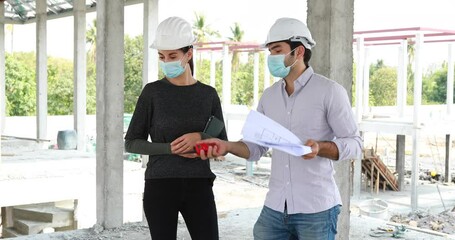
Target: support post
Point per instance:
(2, 70)
(447, 162)
(402, 90)
(80, 73)
(331, 23)
(450, 80)
(41, 69)
(226, 77)
(400, 160)
(109, 112)
(417, 103)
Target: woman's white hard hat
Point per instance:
(290, 29)
(173, 33)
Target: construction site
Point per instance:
(69, 177)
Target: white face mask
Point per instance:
(276, 65)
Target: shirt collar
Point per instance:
(303, 78)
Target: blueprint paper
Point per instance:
(264, 131)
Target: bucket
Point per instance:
(376, 208)
(67, 139)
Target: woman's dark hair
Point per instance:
(191, 63)
(306, 56)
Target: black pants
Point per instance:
(193, 198)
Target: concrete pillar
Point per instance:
(41, 69)
(266, 73)
(150, 63)
(256, 80)
(450, 79)
(150, 66)
(359, 80)
(402, 90)
(400, 160)
(80, 73)
(447, 174)
(212, 69)
(226, 77)
(331, 25)
(2, 74)
(195, 62)
(416, 116)
(2, 70)
(109, 112)
(366, 83)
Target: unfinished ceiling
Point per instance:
(21, 11)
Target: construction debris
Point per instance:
(443, 222)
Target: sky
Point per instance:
(255, 18)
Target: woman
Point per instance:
(173, 112)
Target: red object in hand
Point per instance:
(203, 146)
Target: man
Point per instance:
(303, 201)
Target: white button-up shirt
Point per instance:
(318, 109)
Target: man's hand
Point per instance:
(215, 149)
(185, 143)
(314, 149)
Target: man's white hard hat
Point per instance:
(290, 29)
(173, 33)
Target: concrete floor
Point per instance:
(28, 174)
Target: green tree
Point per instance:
(90, 36)
(201, 30)
(60, 86)
(237, 36)
(383, 85)
(20, 86)
(436, 92)
(133, 71)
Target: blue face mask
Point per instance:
(172, 69)
(277, 67)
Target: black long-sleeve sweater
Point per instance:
(165, 112)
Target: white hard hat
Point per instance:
(173, 33)
(290, 29)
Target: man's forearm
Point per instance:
(328, 150)
(239, 149)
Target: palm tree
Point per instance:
(90, 38)
(237, 35)
(201, 30)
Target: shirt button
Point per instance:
(289, 113)
(288, 183)
(287, 166)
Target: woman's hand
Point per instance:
(185, 143)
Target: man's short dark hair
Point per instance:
(306, 56)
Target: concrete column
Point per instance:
(447, 161)
(366, 83)
(402, 90)
(109, 112)
(150, 63)
(150, 66)
(80, 73)
(2, 70)
(212, 69)
(359, 80)
(226, 77)
(450, 79)
(41, 69)
(417, 103)
(331, 25)
(266, 73)
(400, 160)
(256, 80)
(195, 62)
